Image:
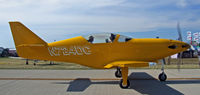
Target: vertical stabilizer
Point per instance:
(23, 36)
(28, 44)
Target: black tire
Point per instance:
(118, 74)
(26, 61)
(124, 86)
(162, 77)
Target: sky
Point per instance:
(61, 19)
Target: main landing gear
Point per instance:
(118, 73)
(162, 76)
(122, 85)
(123, 72)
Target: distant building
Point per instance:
(5, 52)
(13, 52)
(1, 50)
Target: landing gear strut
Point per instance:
(124, 82)
(162, 76)
(118, 73)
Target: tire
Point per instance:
(162, 77)
(124, 86)
(118, 74)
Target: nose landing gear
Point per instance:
(162, 76)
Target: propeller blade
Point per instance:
(199, 60)
(169, 60)
(179, 32)
(179, 61)
(164, 62)
(180, 39)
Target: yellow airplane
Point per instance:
(100, 51)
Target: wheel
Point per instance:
(26, 62)
(162, 76)
(124, 86)
(118, 74)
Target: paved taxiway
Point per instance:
(97, 82)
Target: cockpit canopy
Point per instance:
(105, 38)
(123, 38)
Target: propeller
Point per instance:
(179, 32)
(180, 54)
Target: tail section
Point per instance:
(28, 44)
(23, 36)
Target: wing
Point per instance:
(127, 64)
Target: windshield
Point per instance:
(100, 38)
(123, 38)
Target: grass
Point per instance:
(186, 63)
(17, 63)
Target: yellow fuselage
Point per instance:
(97, 55)
(131, 52)
(116, 52)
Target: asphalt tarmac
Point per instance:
(98, 82)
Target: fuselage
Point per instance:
(97, 51)
(97, 55)
(92, 50)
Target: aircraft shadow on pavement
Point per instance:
(141, 82)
